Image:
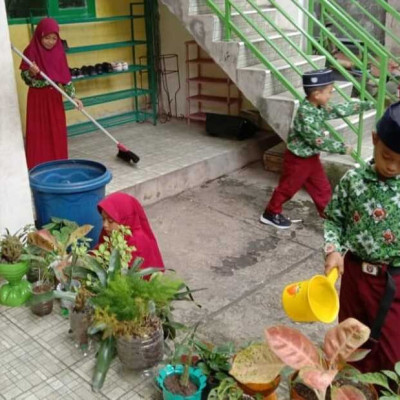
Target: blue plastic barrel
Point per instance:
(69, 189)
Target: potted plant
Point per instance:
(214, 361)
(42, 300)
(321, 372)
(388, 380)
(257, 368)
(180, 379)
(128, 308)
(228, 389)
(13, 267)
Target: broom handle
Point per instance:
(55, 86)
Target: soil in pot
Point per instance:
(173, 384)
(41, 308)
(301, 391)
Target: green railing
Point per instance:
(369, 51)
(355, 29)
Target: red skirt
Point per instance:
(46, 130)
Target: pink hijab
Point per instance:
(126, 210)
(52, 62)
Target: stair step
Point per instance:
(258, 76)
(336, 96)
(201, 7)
(247, 58)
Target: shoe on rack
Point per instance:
(99, 69)
(125, 66)
(85, 70)
(107, 67)
(92, 70)
(79, 73)
(277, 220)
(117, 66)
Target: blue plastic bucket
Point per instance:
(70, 189)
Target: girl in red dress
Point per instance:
(46, 130)
(123, 209)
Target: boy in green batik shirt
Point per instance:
(363, 219)
(301, 165)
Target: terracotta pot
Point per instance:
(41, 308)
(141, 354)
(267, 390)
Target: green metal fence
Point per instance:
(369, 50)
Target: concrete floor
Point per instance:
(173, 156)
(211, 236)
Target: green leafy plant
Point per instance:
(12, 246)
(63, 242)
(228, 389)
(318, 367)
(214, 361)
(387, 379)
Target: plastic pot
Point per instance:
(17, 291)
(141, 354)
(195, 375)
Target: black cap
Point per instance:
(388, 127)
(320, 77)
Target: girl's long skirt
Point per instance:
(46, 130)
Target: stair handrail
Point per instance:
(229, 27)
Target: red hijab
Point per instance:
(126, 210)
(52, 62)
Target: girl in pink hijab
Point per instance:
(46, 130)
(123, 209)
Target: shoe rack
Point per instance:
(144, 10)
(201, 84)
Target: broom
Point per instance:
(123, 152)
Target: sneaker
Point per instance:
(276, 220)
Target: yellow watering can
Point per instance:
(313, 300)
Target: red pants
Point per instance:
(360, 296)
(298, 172)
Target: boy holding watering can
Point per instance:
(363, 219)
(301, 164)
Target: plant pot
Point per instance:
(79, 323)
(266, 390)
(141, 354)
(300, 391)
(67, 304)
(17, 291)
(41, 307)
(195, 375)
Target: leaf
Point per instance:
(317, 378)
(397, 368)
(292, 347)
(358, 355)
(391, 375)
(375, 378)
(393, 397)
(105, 355)
(115, 264)
(343, 339)
(94, 266)
(347, 392)
(43, 239)
(256, 364)
(79, 233)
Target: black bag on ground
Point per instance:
(229, 126)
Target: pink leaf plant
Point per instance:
(318, 367)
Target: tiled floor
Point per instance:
(39, 360)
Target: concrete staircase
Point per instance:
(256, 82)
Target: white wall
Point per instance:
(15, 196)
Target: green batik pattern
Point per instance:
(307, 136)
(69, 88)
(364, 217)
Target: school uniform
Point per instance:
(301, 164)
(363, 219)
